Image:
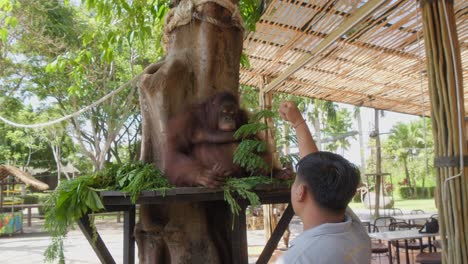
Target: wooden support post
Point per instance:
(129, 238)
(29, 216)
(239, 237)
(99, 247)
(276, 236)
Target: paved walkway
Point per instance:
(29, 247)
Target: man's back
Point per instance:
(345, 242)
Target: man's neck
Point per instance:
(314, 217)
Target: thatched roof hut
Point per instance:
(7, 170)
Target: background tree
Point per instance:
(68, 57)
(341, 125)
(407, 144)
(362, 149)
(320, 113)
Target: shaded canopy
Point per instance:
(7, 170)
(380, 62)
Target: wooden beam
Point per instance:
(272, 243)
(129, 238)
(98, 246)
(349, 23)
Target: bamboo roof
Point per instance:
(379, 63)
(7, 170)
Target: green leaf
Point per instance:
(244, 61)
(4, 34)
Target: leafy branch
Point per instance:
(247, 155)
(75, 198)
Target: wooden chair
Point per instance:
(417, 211)
(418, 223)
(382, 223)
(377, 247)
(395, 211)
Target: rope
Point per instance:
(82, 110)
(183, 14)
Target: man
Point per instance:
(324, 186)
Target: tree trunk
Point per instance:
(362, 149)
(405, 164)
(202, 57)
(318, 132)
(378, 164)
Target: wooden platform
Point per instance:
(119, 201)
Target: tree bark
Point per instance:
(202, 58)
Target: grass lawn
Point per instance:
(427, 205)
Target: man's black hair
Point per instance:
(331, 179)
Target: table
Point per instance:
(366, 223)
(401, 235)
(412, 217)
(119, 201)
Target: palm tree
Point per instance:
(357, 116)
(404, 139)
(321, 111)
(340, 126)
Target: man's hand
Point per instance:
(289, 112)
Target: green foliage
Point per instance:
(341, 123)
(135, 178)
(251, 11)
(30, 199)
(405, 156)
(246, 155)
(75, 198)
(42, 199)
(357, 198)
(260, 115)
(248, 130)
(243, 187)
(406, 192)
(244, 61)
(69, 202)
(288, 160)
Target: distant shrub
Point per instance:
(357, 198)
(417, 193)
(42, 199)
(30, 199)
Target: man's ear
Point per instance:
(301, 192)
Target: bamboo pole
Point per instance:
(447, 109)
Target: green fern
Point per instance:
(249, 130)
(258, 116)
(244, 189)
(135, 178)
(247, 155)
